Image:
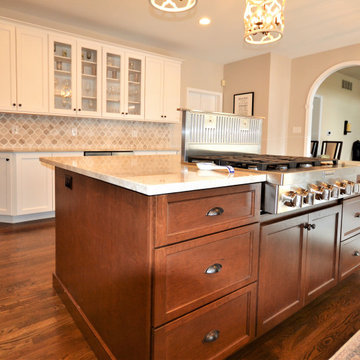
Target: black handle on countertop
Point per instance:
(68, 181)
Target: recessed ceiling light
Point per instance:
(204, 21)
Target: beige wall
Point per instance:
(247, 75)
(278, 109)
(304, 72)
(339, 105)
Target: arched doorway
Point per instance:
(310, 99)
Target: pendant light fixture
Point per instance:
(173, 5)
(264, 21)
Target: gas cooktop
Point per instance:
(264, 162)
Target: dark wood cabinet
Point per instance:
(322, 252)
(162, 277)
(349, 256)
(298, 261)
(351, 218)
(281, 271)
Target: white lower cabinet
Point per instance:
(27, 186)
(5, 183)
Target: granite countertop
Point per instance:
(70, 149)
(153, 175)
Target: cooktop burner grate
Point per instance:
(263, 162)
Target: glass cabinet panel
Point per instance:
(113, 83)
(134, 86)
(63, 85)
(89, 62)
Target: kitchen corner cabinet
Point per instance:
(184, 282)
(123, 84)
(23, 69)
(299, 260)
(75, 76)
(162, 90)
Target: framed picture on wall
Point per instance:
(244, 104)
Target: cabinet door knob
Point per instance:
(164, 116)
(14, 104)
(313, 226)
(7, 159)
(74, 109)
(211, 336)
(356, 253)
(213, 269)
(79, 109)
(216, 211)
(357, 215)
(126, 113)
(20, 105)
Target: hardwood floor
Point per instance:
(34, 323)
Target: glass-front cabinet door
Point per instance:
(89, 85)
(62, 75)
(134, 84)
(113, 83)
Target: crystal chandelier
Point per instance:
(264, 21)
(173, 5)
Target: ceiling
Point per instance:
(353, 71)
(310, 25)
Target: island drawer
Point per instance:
(212, 332)
(349, 256)
(193, 273)
(351, 218)
(192, 214)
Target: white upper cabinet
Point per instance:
(7, 67)
(75, 76)
(162, 98)
(23, 69)
(32, 70)
(49, 72)
(89, 79)
(134, 86)
(113, 86)
(62, 75)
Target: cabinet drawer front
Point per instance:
(191, 274)
(351, 218)
(349, 256)
(188, 215)
(228, 322)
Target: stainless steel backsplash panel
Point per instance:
(205, 132)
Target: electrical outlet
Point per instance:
(74, 131)
(14, 130)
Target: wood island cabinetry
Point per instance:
(162, 277)
(299, 260)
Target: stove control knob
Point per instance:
(319, 192)
(290, 199)
(330, 191)
(305, 196)
(345, 188)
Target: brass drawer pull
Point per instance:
(356, 253)
(216, 211)
(211, 336)
(213, 269)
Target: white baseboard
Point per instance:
(30, 217)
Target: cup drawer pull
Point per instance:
(211, 336)
(356, 253)
(216, 211)
(213, 269)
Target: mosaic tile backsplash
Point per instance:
(55, 132)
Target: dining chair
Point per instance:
(332, 149)
(314, 147)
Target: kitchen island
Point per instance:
(155, 259)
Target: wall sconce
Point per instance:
(347, 127)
